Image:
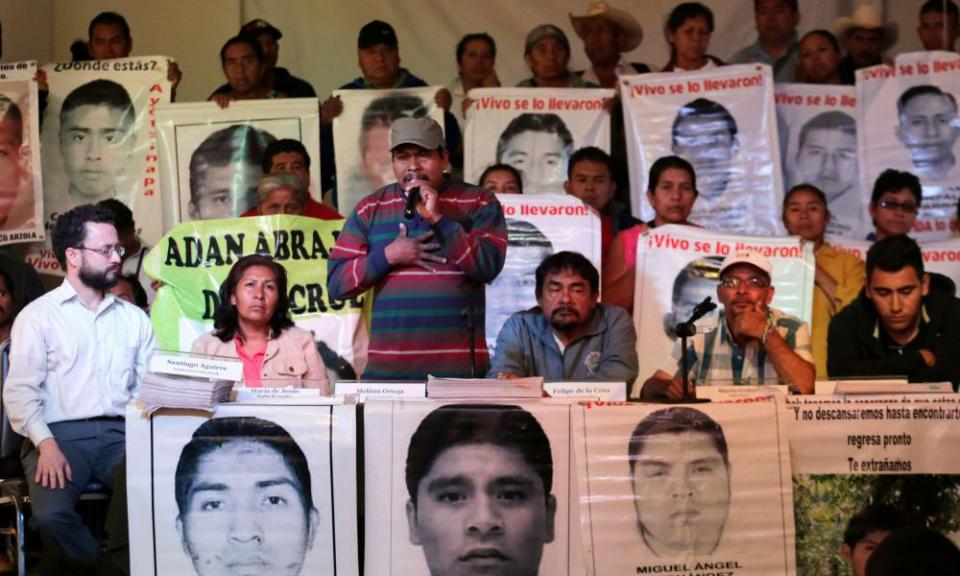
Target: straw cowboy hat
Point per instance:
(867, 16)
(631, 32)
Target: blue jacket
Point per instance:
(526, 346)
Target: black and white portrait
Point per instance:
(538, 146)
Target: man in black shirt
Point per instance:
(273, 79)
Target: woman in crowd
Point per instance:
(252, 322)
(839, 276)
(281, 194)
(688, 32)
(7, 306)
(502, 179)
(476, 61)
(819, 61)
(671, 193)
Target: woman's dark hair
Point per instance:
(501, 167)
(462, 44)
(225, 321)
(11, 289)
(686, 11)
(826, 35)
(665, 163)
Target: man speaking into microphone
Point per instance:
(426, 245)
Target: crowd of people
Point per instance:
(429, 243)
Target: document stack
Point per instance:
(487, 388)
(164, 391)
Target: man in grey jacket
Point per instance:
(569, 335)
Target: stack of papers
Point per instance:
(487, 388)
(163, 391)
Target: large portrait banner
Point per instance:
(908, 118)
(818, 145)
(942, 256)
(684, 490)
(210, 158)
(21, 183)
(679, 266)
(535, 130)
(469, 488)
(537, 227)
(361, 137)
(256, 489)
(194, 258)
(723, 121)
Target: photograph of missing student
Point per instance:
(97, 142)
(361, 136)
(21, 189)
(728, 133)
(682, 489)
(535, 131)
(273, 514)
(461, 489)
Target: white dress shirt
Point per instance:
(68, 362)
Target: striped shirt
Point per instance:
(714, 358)
(419, 324)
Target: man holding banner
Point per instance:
(427, 245)
(752, 342)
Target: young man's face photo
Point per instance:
(245, 514)
(681, 493)
(95, 142)
(481, 509)
(11, 167)
(928, 128)
(226, 191)
(828, 160)
(541, 158)
(707, 142)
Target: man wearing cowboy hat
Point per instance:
(607, 33)
(777, 43)
(865, 37)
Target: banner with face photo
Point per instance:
(684, 490)
(818, 145)
(908, 119)
(537, 226)
(21, 184)
(679, 266)
(259, 488)
(723, 121)
(535, 130)
(194, 259)
(864, 467)
(361, 136)
(942, 257)
(211, 157)
(457, 488)
(100, 140)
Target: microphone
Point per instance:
(688, 328)
(413, 198)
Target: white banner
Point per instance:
(942, 256)
(361, 137)
(908, 115)
(202, 491)
(818, 145)
(678, 266)
(535, 130)
(211, 157)
(537, 226)
(100, 139)
(684, 490)
(492, 489)
(21, 185)
(723, 121)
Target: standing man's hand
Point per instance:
(413, 251)
(222, 100)
(428, 208)
(443, 99)
(331, 108)
(53, 470)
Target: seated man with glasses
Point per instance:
(751, 342)
(894, 204)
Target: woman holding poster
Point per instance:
(688, 32)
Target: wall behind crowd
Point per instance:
(319, 41)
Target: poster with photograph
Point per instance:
(818, 145)
(537, 226)
(723, 121)
(194, 258)
(684, 490)
(21, 183)
(99, 137)
(535, 130)
(361, 136)
(679, 266)
(478, 488)
(210, 157)
(866, 466)
(289, 507)
(908, 119)
(942, 256)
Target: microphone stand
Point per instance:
(468, 313)
(685, 330)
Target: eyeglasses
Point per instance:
(752, 282)
(906, 207)
(106, 251)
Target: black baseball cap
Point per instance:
(253, 28)
(376, 32)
